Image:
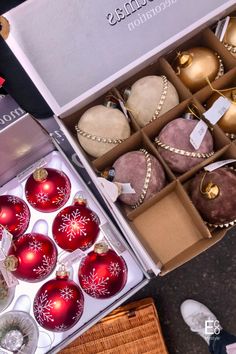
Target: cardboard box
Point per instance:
(68, 87)
(25, 145)
(167, 230)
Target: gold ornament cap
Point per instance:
(79, 199)
(210, 191)
(184, 59)
(4, 27)
(11, 263)
(101, 247)
(62, 273)
(40, 175)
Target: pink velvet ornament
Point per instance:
(176, 134)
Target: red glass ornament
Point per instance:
(58, 304)
(102, 273)
(47, 189)
(32, 257)
(76, 226)
(14, 215)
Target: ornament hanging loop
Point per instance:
(220, 92)
(210, 191)
(193, 109)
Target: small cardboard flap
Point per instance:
(73, 50)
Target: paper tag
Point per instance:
(217, 110)
(221, 28)
(198, 133)
(124, 109)
(72, 258)
(126, 188)
(218, 164)
(9, 278)
(110, 189)
(110, 235)
(5, 243)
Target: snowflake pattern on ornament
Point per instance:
(45, 269)
(95, 218)
(23, 219)
(42, 197)
(67, 293)
(73, 223)
(80, 307)
(63, 193)
(42, 308)
(95, 285)
(114, 269)
(35, 245)
(61, 328)
(12, 199)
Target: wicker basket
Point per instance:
(130, 329)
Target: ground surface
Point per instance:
(209, 278)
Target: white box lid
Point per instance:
(71, 51)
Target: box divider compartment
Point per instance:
(168, 224)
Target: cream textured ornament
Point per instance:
(230, 37)
(101, 128)
(150, 97)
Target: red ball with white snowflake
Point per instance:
(32, 257)
(76, 226)
(14, 215)
(59, 303)
(102, 273)
(47, 189)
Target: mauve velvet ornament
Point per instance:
(132, 168)
(221, 209)
(176, 134)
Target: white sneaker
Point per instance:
(196, 316)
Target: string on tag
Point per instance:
(193, 112)
(220, 92)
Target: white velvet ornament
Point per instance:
(101, 128)
(150, 97)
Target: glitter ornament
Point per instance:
(229, 39)
(150, 97)
(76, 226)
(174, 145)
(144, 173)
(102, 273)
(32, 257)
(228, 122)
(98, 138)
(59, 303)
(197, 64)
(6, 293)
(47, 189)
(14, 215)
(18, 330)
(214, 195)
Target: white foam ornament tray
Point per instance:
(92, 307)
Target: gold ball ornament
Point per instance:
(101, 128)
(197, 64)
(229, 39)
(228, 122)
(150, 97)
